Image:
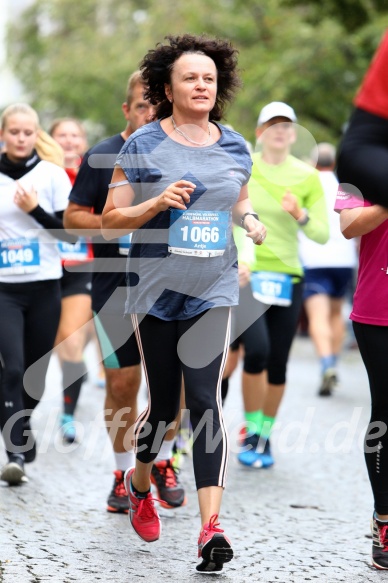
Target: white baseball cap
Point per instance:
(276, 109)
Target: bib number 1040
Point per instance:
(198, 234)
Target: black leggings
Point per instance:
(373, 342)
(196, 348)
(267, 340)
(29, 321)
(363, 156)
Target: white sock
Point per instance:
(124, 460)
(165, 452)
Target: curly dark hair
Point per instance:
(157, 65)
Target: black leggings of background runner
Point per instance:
(29, 320)
(267, 341)
(373, 343)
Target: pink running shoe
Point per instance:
(213, 547)
(142, 512)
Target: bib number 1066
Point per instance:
(197, 234)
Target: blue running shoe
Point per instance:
(68, 428)
(266, 456)
(248, 455)
(256, 452)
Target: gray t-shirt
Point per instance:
(185, 264)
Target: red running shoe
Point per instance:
(213, 547)
(118, 499)
(165, 477)
(142, 512)
(380, 544)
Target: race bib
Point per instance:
(272, 288)
(198, 233)
(19, 256)
(125, 244)
(74, 252)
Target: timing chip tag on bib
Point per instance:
(198, 233)
(19, 256)
(272, 288)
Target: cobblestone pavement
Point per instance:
(306, 519)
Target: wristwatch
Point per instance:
(304, 219)
(245, 215)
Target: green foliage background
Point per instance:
(74, 57)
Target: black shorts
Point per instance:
(76, 280)
(117, 340)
